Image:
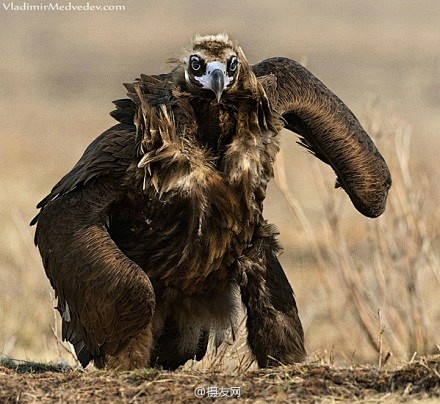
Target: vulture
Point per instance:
(155, 240)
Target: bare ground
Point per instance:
(32, 382)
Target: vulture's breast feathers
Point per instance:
(202, 167)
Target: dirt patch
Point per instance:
(30, 382)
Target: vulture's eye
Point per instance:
(233, 63)
(195, 63)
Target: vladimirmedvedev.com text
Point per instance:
(54, 6)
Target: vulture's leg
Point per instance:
(275, 333)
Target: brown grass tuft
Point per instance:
(412, 381)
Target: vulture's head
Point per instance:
(214, 65)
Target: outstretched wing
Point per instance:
(105, 299)
(329, 130)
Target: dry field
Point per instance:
(367, 290)
(417, 381)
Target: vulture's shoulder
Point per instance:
(153, 90)
(111, 154)
(286, 81)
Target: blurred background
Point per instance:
(367, 290)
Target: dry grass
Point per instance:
(367, 290)
(33, 382)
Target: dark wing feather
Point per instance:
(329, 130)
(104, 297)
(124, 112)
(280, 292)
(107, 151)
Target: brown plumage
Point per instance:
(156, 235)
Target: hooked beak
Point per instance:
(217, 83)
(215, 79)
